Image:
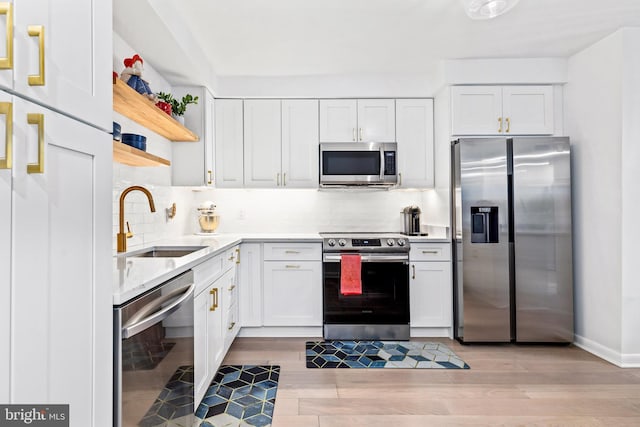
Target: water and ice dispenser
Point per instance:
(484, 224)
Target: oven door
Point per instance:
(385, 292)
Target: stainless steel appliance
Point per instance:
(411, 221)
(511, 210)
(358, 164)
(382, 310)
(153, 357)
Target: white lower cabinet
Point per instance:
(292, 284)
(58, 186)
(292, 293)
(250, 284)
(215, 298)
(431, 289)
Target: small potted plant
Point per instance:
(178, 108)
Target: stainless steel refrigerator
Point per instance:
(511, 215)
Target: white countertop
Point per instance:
(133, 276)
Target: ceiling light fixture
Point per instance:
(487, 9)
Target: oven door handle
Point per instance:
(150, 314)
(370, 258)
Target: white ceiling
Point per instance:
(338, 37)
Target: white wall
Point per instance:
(601, 99)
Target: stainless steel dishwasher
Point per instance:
(153, 357)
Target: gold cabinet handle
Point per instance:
(6, 108)
(354, 134)
(291, 252)
(6, 8)
(413, 268)
(360, 134)
(231, 325)
(210, 180)
(232, 288)
(500, 122)
(508, 125)
(237, 255)
(291, 266)
(430, 252)
(284, 179)
(214, 302)
(400, 179)
(278, 179)
(37, 31)
(231, 258)
(37, 119)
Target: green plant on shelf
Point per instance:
(178, 108)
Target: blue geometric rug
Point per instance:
(240, 395)
(382, 354)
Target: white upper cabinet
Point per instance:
(338, 120)
(414, 130)
(59, 54)
(262, 140)
(502, 110)
(300, 143)
(376, 120)
(192, 162)
(229, 171)
(362, 120)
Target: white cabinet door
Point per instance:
(192, 162)
(527, 110)
(250, 284)
(6, 146)
(262, 141)
(292, 293)
(201, 304)
(502, 110)
(376, 120)
(229, 130)
(476, 110)
(61, 290)
(66, 47)
(300, 143)
(338, 120)
(414, 130)
(430, 294)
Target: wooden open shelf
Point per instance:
(141, 110)
(125, 154)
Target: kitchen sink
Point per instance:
(165, 252)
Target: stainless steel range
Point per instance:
(380, 308)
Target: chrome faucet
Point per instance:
(122, 236)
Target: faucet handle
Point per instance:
(129, 233)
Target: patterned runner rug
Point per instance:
(382, 354)
(240, 395)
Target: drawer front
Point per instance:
(292, 251)
(430, 252)
(207, 272)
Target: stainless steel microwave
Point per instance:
(358, 164)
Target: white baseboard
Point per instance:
(619, 359)
(282, 331)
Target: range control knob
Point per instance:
(342, 242)
(401, 242)
(390, 242)
(331, 242)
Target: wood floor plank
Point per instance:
(507, 385)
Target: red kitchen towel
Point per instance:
(350, 278)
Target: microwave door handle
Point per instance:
(381, 164)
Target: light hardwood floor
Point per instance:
(507, 385)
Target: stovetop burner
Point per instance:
(364, 242)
